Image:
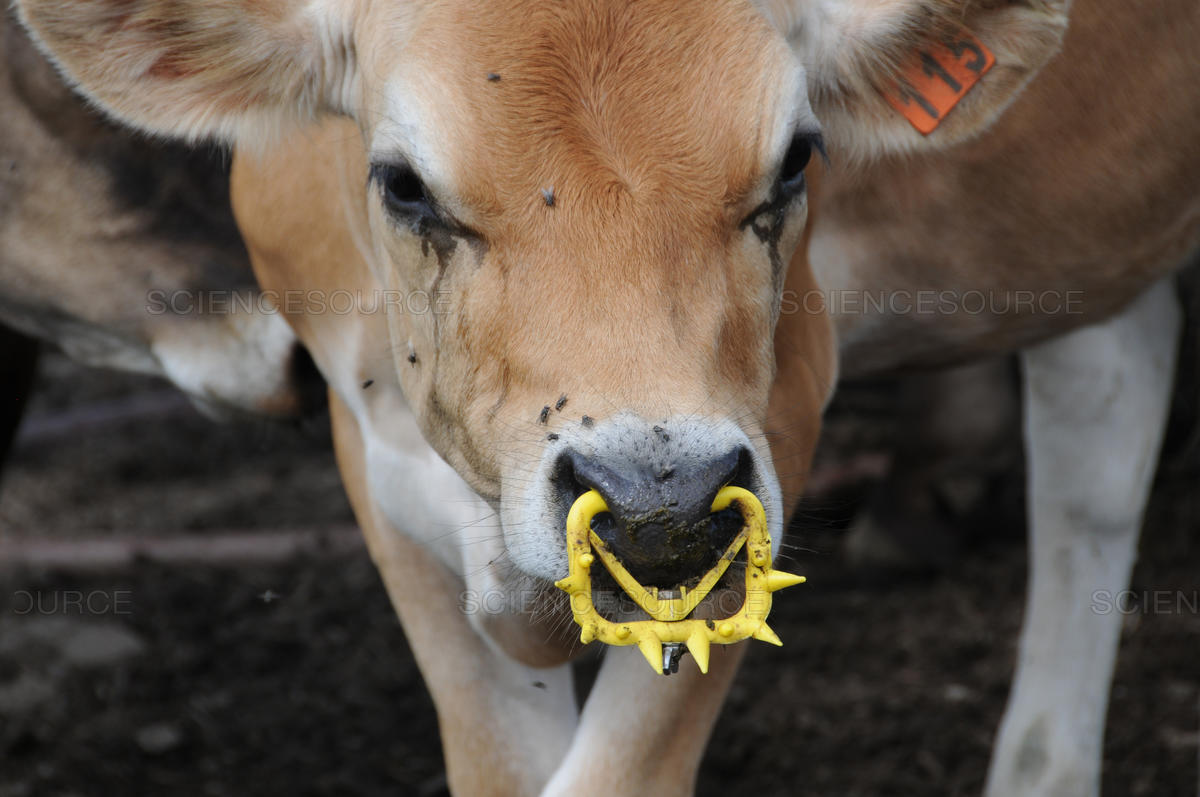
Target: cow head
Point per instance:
(601, 198)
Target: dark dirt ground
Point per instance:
(186, 681)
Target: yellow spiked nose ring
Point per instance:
(662, 638)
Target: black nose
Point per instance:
(660, 524)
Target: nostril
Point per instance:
(659, 522)
(605, 526)
(742, 474)
(565, 480)
(573, 476)
(723, 527)
(723, 471)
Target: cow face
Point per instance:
(600, 201)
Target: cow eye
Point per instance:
(404, 194)
(799, 152)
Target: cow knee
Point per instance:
(1043, 759)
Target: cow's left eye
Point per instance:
(404, 194)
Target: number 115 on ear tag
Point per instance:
(937, 77)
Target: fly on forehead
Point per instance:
(598, 102)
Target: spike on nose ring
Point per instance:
(663, 638)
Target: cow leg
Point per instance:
(504, 726)
(1096, 403)
(951, 423)
(643, 733)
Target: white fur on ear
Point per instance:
(231, 70)
(853, 50)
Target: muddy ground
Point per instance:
(294, 678)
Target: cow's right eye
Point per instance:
(795, 160)
(404, 194)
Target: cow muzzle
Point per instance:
(667, 539)
(662, 639)
(658, 518)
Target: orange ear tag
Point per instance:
(937, 77)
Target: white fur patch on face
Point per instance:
(419, 493)
(239, 360)
(794, 112)
(411, 127)
(826, 29)
(533, 512)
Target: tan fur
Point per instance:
(644, 231)
(106, 246)
(854, 49)
(807, 369)
(227, 69)
(638, 239)
(1085, 190)
(488, 751)
(454, 660)
(642, 288)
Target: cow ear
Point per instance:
(233, 70)
(915, 74)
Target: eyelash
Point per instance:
(796, 159)
(404, 195)
(406, 198)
